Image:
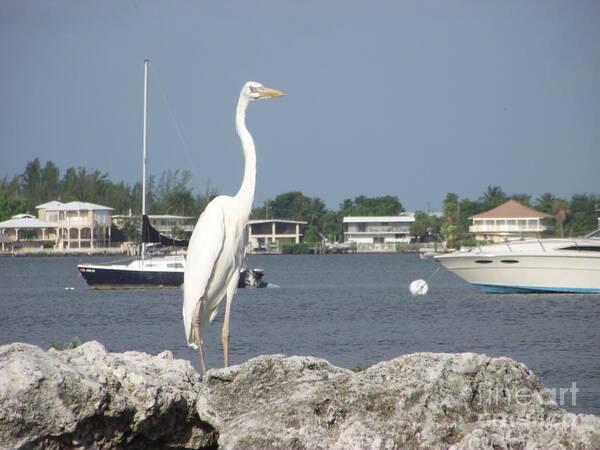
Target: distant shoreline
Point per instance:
(70, 252)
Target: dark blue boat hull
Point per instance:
(107, 278)
(111, 278)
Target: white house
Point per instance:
(79, 224)
(377, 233)
(510, 220)
(15, 232)
(270, 234)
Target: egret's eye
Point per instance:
(253, 89)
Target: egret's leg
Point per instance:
(202, 362)
(225, 332)
(197, 337)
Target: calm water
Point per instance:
(349, 309)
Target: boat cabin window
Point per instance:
(175, 265)
(582, 248)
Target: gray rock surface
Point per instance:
(420, 400)
(88, 398)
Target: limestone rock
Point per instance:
(90, 399)
(419, 400)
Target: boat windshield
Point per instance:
(594, 234)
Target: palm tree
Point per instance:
(560, 210)
(492, 197)
(451, 208)
(544, 202)
(29, 234)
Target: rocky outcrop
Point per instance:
(419, 400)
(89, 398)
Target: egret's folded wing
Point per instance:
(204, 249)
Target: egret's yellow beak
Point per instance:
(266, 92)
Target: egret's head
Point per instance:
(256, 91)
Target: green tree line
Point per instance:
(170, 194)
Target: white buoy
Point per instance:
(418, 287)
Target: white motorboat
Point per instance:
(532, 265)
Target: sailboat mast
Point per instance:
(145, 136)
(144, 144)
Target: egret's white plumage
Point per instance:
(216, 249)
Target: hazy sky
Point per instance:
(407, 98)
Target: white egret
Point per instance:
(216, 249)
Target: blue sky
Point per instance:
(407, 98)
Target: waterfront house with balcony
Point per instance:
(510, 220)
(79, 224)
(377, 233)
(25, 231)
(269, 235)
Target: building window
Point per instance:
(378, 240)
(285, 228)
(261, 228)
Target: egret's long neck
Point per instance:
(246, 192)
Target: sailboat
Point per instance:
(151, 272)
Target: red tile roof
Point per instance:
(510, 209)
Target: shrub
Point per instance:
(295, 249)
(58, 345)
(361, 368)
